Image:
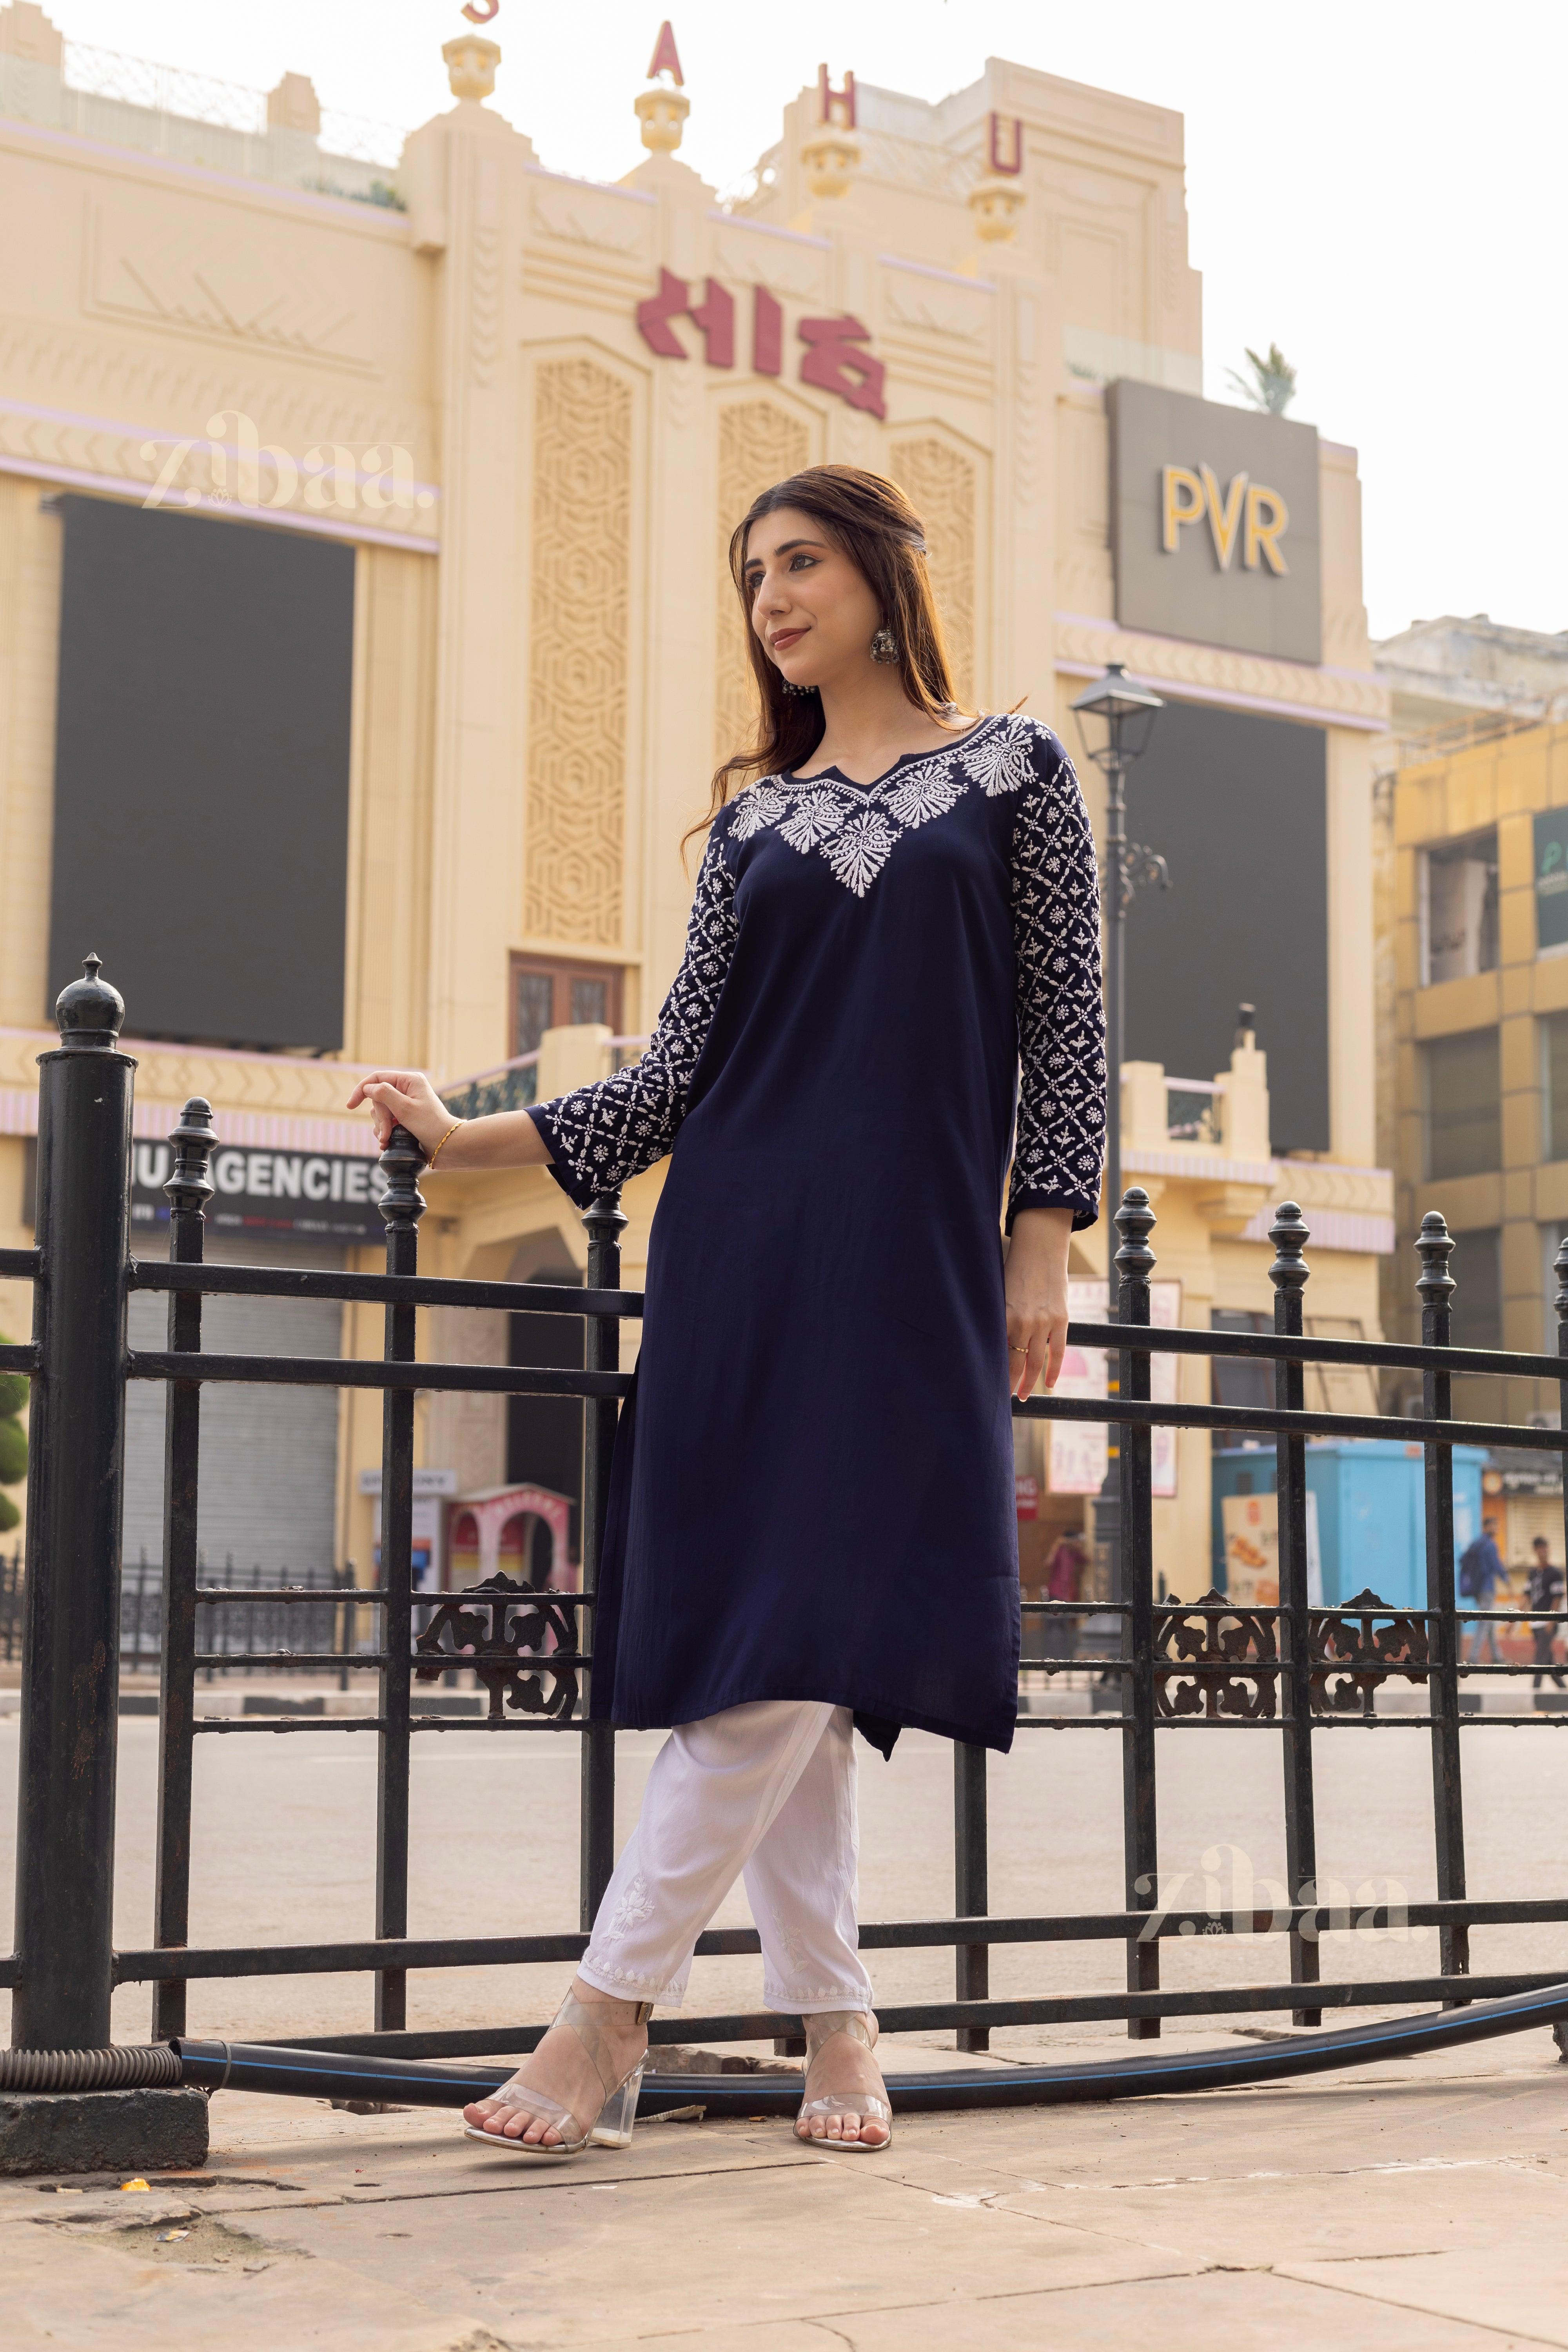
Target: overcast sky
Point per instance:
(1377, 186)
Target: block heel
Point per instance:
(612, 2127)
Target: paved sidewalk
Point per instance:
(1411, 2208)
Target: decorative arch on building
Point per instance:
(495, 1531)
(760, 441)
(579, 597)
(942, 483)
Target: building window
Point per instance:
(1458, 910)
(1241, 1380)
(1554, 1086)
(1463, 1102)
(1477, 1268)
(547, 996)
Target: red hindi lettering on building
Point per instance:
(767, 334)
(714, 316)
(834, 364)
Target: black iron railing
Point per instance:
(11, 1604)
(300, 1621)
(1291, 1671)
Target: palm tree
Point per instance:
(1272, 384)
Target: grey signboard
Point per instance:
(1215, 522)
(310, 1196)
(1552, 879)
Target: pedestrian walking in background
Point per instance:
(1063, 1582)
(1544, 1585)
(1480, 1572)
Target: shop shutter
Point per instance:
(268, 1457)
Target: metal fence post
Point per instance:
(604, 1221)
(188, 1191)
(70, 1670)
(1289, 1274)
(971, 1890)
(401, 1205)
(1135, 1264)
(1436, 1288)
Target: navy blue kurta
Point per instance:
(812, 1495)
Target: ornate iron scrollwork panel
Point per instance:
(1216, 1659)
(1359, 1646)
(521, 1644)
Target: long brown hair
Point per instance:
(873, 522)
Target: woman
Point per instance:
(811, 1519)
(1064, 1576)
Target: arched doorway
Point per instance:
(520, 1531)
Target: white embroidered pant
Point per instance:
(767, 1790)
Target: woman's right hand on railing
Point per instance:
(507, 1139)
(404, 1098)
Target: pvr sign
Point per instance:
(1215, 530)
(1186, 497)
(835, 358)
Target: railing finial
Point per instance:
(189, 1187)
(401, 1204)
(1289, 1234)
(1135, 1220)
(89, 1012)
(1434, 1247)
(604, 1219)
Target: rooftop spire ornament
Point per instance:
(666, 58)
(662, 110)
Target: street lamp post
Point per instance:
(1126, 710)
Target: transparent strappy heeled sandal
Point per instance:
(869, 2105)
(613, 2125)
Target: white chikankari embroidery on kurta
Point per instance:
(610, 1131)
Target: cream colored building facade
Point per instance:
(546, 660)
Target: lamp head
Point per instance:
(1125, 709)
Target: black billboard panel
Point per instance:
(202, 773)
(1237, 806)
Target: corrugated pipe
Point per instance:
(131, 2066)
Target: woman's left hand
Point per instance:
(1036, 1293)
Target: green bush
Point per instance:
(13, 1442)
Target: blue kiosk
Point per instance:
(1371, 1512)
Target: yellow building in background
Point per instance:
(494, 425)
(1475, 907)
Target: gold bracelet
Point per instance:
(441, 1146)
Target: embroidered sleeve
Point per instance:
(1058, 1149)
(601, 1135)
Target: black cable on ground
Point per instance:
(317, 2074)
